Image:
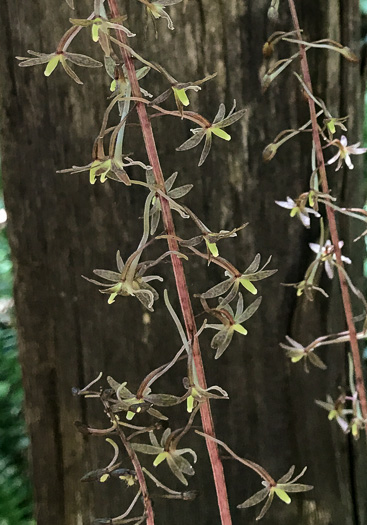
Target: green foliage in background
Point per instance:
(15, 490)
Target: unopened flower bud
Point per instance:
(273, 14)
(269, 152)
(268, 49)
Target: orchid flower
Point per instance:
(336, 410)
(53, 59)
(296, 352)
(216, 128)
(231, 323)
(167, 450)
(298, 209)
(328, 256)
(232, 284)
(344, 152)
(280, 489)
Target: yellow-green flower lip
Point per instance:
(182, 96)
(160, 458)
(212, 247)
(52, 64)
(282, 495)
(246, 283)
(220, 133)
(240, 329)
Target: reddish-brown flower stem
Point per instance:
(69, 36)
(189, 115)
(332, 224)
(184, 297)
(253, 466)
(219, 261)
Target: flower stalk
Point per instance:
(332, 222)
(180, 279)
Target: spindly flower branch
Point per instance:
(196, 395)
(131, 281)
(272, 488)
(297, 352)
(182, 290)
(318, 152)
(114, 469)
(271, 149)
(187, 495)
(274, 71)
(210, 238)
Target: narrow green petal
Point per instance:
(104, 478)
(331, 126)
(92, 172)
(249, 286)
(282, 495)
(190, 404)
(112, 298)
(181, 94)
(95, 30)
(240, 329)
(130, 415)
(220, 133)
(161, 457)
(297, 358)
(113, 86)
(51, 65)
(332, 415)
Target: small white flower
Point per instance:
(344, 152)
(328, 255)
(301, 211)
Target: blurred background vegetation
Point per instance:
(15, 487)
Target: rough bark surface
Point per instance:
(61, 227)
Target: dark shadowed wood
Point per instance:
(62, 227)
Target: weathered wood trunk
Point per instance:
(61, 227)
